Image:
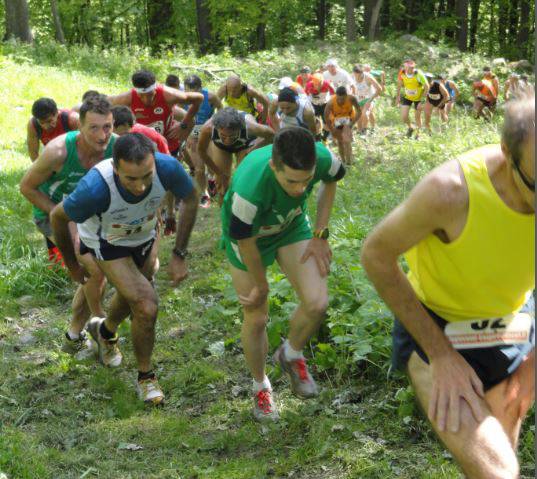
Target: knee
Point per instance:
(255, 321)
(316, 307)
(145, 309)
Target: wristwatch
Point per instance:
(181, 253)
(183, 125)
(321, 234)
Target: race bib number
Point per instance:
(485, 333)
(339, 122)
(435, 96)
(119, 231)
(268, 230)
(411, 92)
(158, 126)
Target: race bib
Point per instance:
(435, 96)
(158, 126)
(411, 92)
(341, 121)
(485, 333)
(119, 231)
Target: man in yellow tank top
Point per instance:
(463, 330)
(415, 88)
(237, 94)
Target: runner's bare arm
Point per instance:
(376, 86)
(74, 120)
(204, 141)
(398, 92)
(326, 117)
(357, 110)
(434, 204)
(215, 101)
(221, 92)
(445, 95)
(261, 131)
(261, 98)
(309, 118)
(32, 141)
(273, 115)
(121, 99)
(455, 89)
(178, 113)
(177, 97)
(51, 160)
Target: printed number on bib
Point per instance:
(158, 126)
(485, 333)
(118, 231)
(411, 92)
(341, 121)
(435, 96)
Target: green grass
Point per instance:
(66, 419)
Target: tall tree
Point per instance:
(18, 20)
(350, 23)
(205, 29)
(474, 17)
(503, 22)
(513, 19)
(371, 18)
(524, 30)
(461, 10)
(321, 12)
(160, 25)
(58, 30)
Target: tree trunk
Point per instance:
(450, 10)
(160, 14)
(523, 36)
(371, 18)
(18, 20)
(350, 20)
(58, 30)
(513, 20)
(503, 22)
(205, 30)
(473, 23)
(261, 42)
(321, 12)
(461, 11)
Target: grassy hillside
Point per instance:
(62, 418)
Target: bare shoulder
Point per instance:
(54, 153)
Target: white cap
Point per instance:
(331, 62)
(285, 82)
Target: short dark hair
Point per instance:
(294, 147)
(341, 90)
(95, 104)
(230, 118)
(173, 81)
(486, 69)
(43, 108)
(89, 94)
(358, 68)
(143, 79)
(193, 81)
(519, 122)
(122, 116)
(132, 148)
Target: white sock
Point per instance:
(73, 335)
(291, 353)
(265, 384)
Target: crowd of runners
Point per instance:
(107, 184)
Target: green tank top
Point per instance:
(63, 182)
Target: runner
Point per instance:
(287, 82)
(210, 103)
(437, 98)
(468, 233)
(485, 92)
(304, 76)
(264, 218)
(415, 88)
(173, 82)
(336, 75)
(115, 208)
(152, 105)
(319, 90)
(87, 94)
(47, 123)
(57, 171)
(453, 91)
(124, 123)
(290, 110)
(340, 115)
(366, 89)
(379, 75)
(241, 96)
(230, 132)
(515, 83)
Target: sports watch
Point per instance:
(321, 234)
(183, 125)
(181, 253)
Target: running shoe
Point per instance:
(149, 391)
(205, 201)
(409, 132)
(170, 226)
(108, 349)
(302, 383)
(264, 408)
(81, 348)
(211, 187)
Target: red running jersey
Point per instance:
(158, 116)
(153, 135)
(62, 126)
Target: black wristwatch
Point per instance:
(180, 253)
(321, 234)
(183, 125)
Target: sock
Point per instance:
(72, 336)
(265, 384)
(105, 333)
(291, 353)
(147, 375)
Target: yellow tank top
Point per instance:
(342, 111)
(489, 269)
(242, 103)
(413, 88)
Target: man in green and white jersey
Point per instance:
(264, 219)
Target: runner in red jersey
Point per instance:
(124, 123)
(152, 105)
(319, 90)
(47, 123)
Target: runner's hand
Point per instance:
(256, 298)
(174, 131)
(78, 273)
(321, 252)
(177, 269)
(453, 380)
